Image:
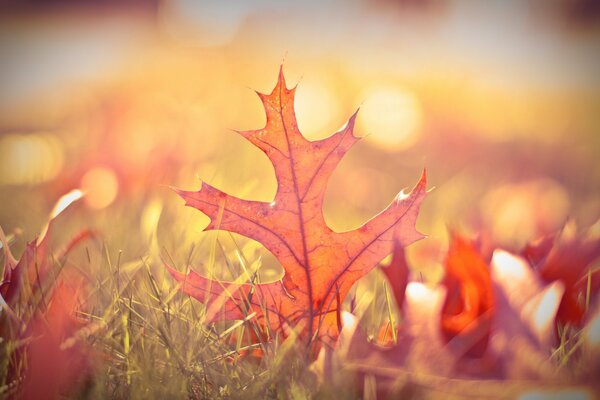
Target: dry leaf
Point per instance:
(568, 257)
(320, 265)
(520, 332)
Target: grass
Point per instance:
(151, 341)
(148, 340)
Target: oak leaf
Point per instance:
(320, 265)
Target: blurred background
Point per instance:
(499, 100)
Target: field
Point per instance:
(108, 111)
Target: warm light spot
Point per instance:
(518, 212)
(391, 117)
(149, 220)
(317, 110)
(135, 147)
(100, 186)
(402, 195)
(507, 268)
(541, 310)
(348, 320)
(65, 201)
(418, 293)
(422, 306)
(62, 203)
(29, 159)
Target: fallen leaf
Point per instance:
(519, 331)
(57, 364)
(568, 257)
(33, 264)
(397, 274)
(469, 297)
(320, 265)
(52, 360)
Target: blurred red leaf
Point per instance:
(469, 295)
(57, 362)
(33, 265)
(397, 274)
(33, 262)
(567, 257)
(424, 362)
(320, 265)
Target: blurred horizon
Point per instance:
(498, 100)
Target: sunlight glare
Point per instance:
(348, 320)
(519, 211)
(508, 267)
(418, 293)
(100, 186)
(62, 203)
(541, 310)
(317, 110)
(391, 118)
(65, 201)
(29, 158)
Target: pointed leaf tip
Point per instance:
(281, 77)
(292, 227)
(178, 276)
(424, 175)
(351, 122)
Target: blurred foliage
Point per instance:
(498, 102)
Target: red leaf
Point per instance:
(516, 360)
(567, 257)
(33, 265)
(469, 293)
(320, 265)
(57, 363)
(56, 359)
(397, 274)
(33, 262)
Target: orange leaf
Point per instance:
(320, 265)
(469, 297)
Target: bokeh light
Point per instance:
(391, 117)
(516, 212)
(497, 100)
(65, 201)
(317, 109)
(100, 186)
(541, 310)
(29, 158)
